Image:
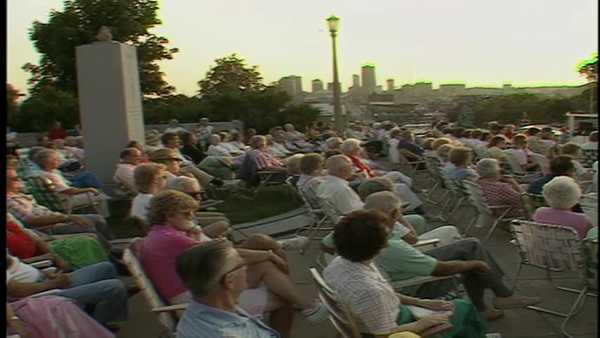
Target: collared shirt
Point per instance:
(218, 150)
(536, 186)
(266, 160)
(496, 192)
(24, 206)
(400, 260)
(60, 183)
(370, 297)
(124, 175)
(308, 185)
(337, 191)
(140, 206)
(159, 250)
(200, 320)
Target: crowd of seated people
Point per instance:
(378, 214)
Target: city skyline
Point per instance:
(524, 43)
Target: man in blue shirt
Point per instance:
(216, 275)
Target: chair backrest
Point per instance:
(476, 197)
(589, 204)
(42, 190)
(339, 313)
(548, 245)
(590, 253)
(434, 166)
(167, 320)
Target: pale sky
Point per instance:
(477, 42)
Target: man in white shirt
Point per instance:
(130, 158)
(335, 188)
(174, 127)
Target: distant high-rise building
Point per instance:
(330, 86)
(291, 84)
(368, 78)
(355, 81)
(317, 85)
(390, 85)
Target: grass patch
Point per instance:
(239, 207)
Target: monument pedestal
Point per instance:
(110, 104)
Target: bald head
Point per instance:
(340, 166)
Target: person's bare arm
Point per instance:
(40, 221)
(20, 290)
(447, 268)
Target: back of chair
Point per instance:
(590, 253)
(548, 245)
(434, 166)
(135, 268)
(589, 204)
(476, 197)
(339, 313)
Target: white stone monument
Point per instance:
(110, 102)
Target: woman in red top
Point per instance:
(24, 244)
(57, 131)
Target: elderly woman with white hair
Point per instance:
(332, 146)
(352, 148)
(498, 189)
(561, 194)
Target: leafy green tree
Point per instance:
(589, 67)
(231, 75)
(180, 107)
(39, 110)
(78, 23)
(234, 91)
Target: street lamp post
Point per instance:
(332, 22)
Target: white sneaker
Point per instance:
(296, 243)
(316, 314)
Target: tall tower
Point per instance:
(390, 85)
(291, 84)
(355, 81)
(317, 85)
(368, 78)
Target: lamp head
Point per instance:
(332, 23)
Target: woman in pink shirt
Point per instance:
(173, 231)
(561, 194)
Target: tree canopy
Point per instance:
(78, 23)
(230, 75)
(589, 67)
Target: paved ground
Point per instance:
(521, 323)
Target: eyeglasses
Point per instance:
(241, 265)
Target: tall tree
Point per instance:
(12, 96)
(78, 23)
(231, 75)
(589, 68)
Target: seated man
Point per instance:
(498, 189)
(130, 158)
(335, 189)
(94, 285)
(214, 309)
(264, 160)
(34, 215)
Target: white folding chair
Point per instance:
(557, 248)
(589, 204)
(486, 212)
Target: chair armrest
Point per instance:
(433, 241)
(41, 264)
(170, 308)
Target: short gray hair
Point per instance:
(488, 167)
(349, 145)
(562, 192)
(336, 162)
(42, 156)
(385, 201)
(208, 258)
(181, 183)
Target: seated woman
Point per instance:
(332, 146)
(95, 286)
(443, 153)
(496, 148)
(173, 231)
(379, 309)
(48, 161)
(498, 189)
(561, 194)
(190, 148)
(292, 165)
(311, 169)
(149, 178)
(461, 158)
(235, 142)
